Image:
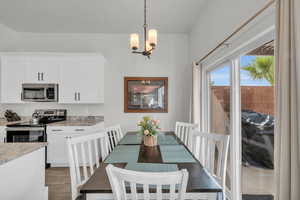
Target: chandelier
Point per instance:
(150, 38)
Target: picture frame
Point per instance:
(145, 94)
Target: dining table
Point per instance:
(171, 154)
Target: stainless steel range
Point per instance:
(35, 129)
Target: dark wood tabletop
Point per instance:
(199, 179)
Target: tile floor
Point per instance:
(58, 182)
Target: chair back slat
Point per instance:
(183, 131)
(147, 182)
(159, 192)
(96, 152)
(84, 162)
(146, 192)
(221, 154)
(84, 158)
(172, 192)
(90, 154)
(212, 152)
(133, 191)
(115, 134)
(76, 163)
(104, 148)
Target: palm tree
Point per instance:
(262, 68)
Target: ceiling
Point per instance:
(98, 16)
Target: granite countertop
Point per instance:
(4, 122)
(79, 121)
(11, 151)
(71, 121)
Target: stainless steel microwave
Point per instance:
(39, 92)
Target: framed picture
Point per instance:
(146, 94)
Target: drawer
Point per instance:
(68, 129)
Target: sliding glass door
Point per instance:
(219, 109)
(257, 123)
(239, 101)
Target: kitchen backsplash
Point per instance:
(27, 109)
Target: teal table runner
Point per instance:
(162, 139)
(131, 139)
(166, 139)
(124, 154)
(151, 167)
(175, 154)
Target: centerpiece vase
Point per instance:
(150, 141)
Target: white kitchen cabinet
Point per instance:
(23, 177)
(57, 152)
(80, 76)
(42, 69)
(82, 80)
(12, 76)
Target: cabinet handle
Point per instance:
(42, 76)
(38, 76)
(78, 96)
(79, 129)
(75, 97)
(56, 130)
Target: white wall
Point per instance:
(217, 20)
(8, 38)
(170, 60)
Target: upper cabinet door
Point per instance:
(12, 77)
(42, 69)
(81, 80)
(92, 88)
(69, 81)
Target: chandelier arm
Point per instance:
(150, 50)
(137, 52)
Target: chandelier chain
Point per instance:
(145, 24)
(145, 12)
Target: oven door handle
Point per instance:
(25, 129)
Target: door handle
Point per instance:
(57, 130)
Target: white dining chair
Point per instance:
(212, 152)
(114, 134)
(120, 178)
(85, 153)
(183, 131)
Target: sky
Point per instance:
(221, 76)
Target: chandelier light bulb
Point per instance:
(134, 41)
(152, 37)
